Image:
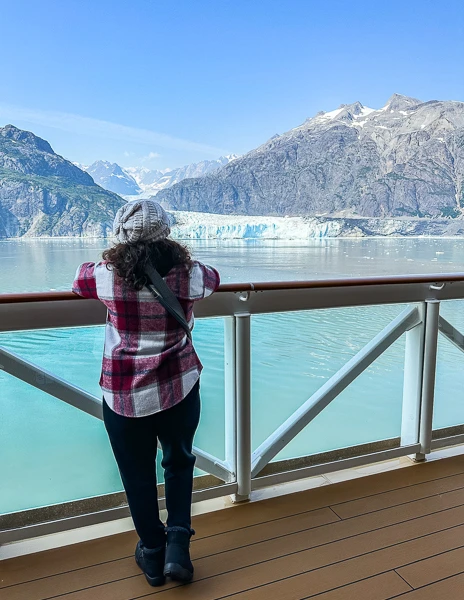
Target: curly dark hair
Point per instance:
(129, 260)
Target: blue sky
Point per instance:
(169, 82)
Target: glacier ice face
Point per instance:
(204, 226)
(208, 226)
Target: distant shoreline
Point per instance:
(189, 226)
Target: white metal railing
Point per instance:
(421, 324)
(92, 405)
(277, 441)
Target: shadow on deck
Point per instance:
(394, 534)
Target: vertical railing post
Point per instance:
(230, 377)
(412, 386)
(428, 380)
(243, 363)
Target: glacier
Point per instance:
(208, 226)
(205, 226)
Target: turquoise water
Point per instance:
(53, 453)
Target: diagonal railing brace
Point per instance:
(451, 333)
(284, 434)
(92, 405)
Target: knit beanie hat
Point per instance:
(141, 221)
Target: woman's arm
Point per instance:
(203, 281)
(85, 284)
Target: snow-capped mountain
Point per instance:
(141, 182)
(152, 181)
(147, 179)
(112, 177)
(405, 160)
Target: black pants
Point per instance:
(134, 443)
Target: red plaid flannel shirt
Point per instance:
(149, 365)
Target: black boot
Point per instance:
(152, 563)
(178, 565)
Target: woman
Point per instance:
(150, 379)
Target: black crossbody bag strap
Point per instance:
(165, 297)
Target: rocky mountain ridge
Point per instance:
(403, 160)
(41, 193)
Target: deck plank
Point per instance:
(61, 560)
(250, 549)
(382, 587)
(105, 567)
(448, 589)
(278, 547)
(331, 495)
(106, 572)
(230, 540)
(347, 510)
(309, 584)
(320, 569)
(434, 569)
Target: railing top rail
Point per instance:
(269, 286)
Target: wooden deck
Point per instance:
(390, 535)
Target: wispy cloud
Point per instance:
(150, 156)
(102, 129)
